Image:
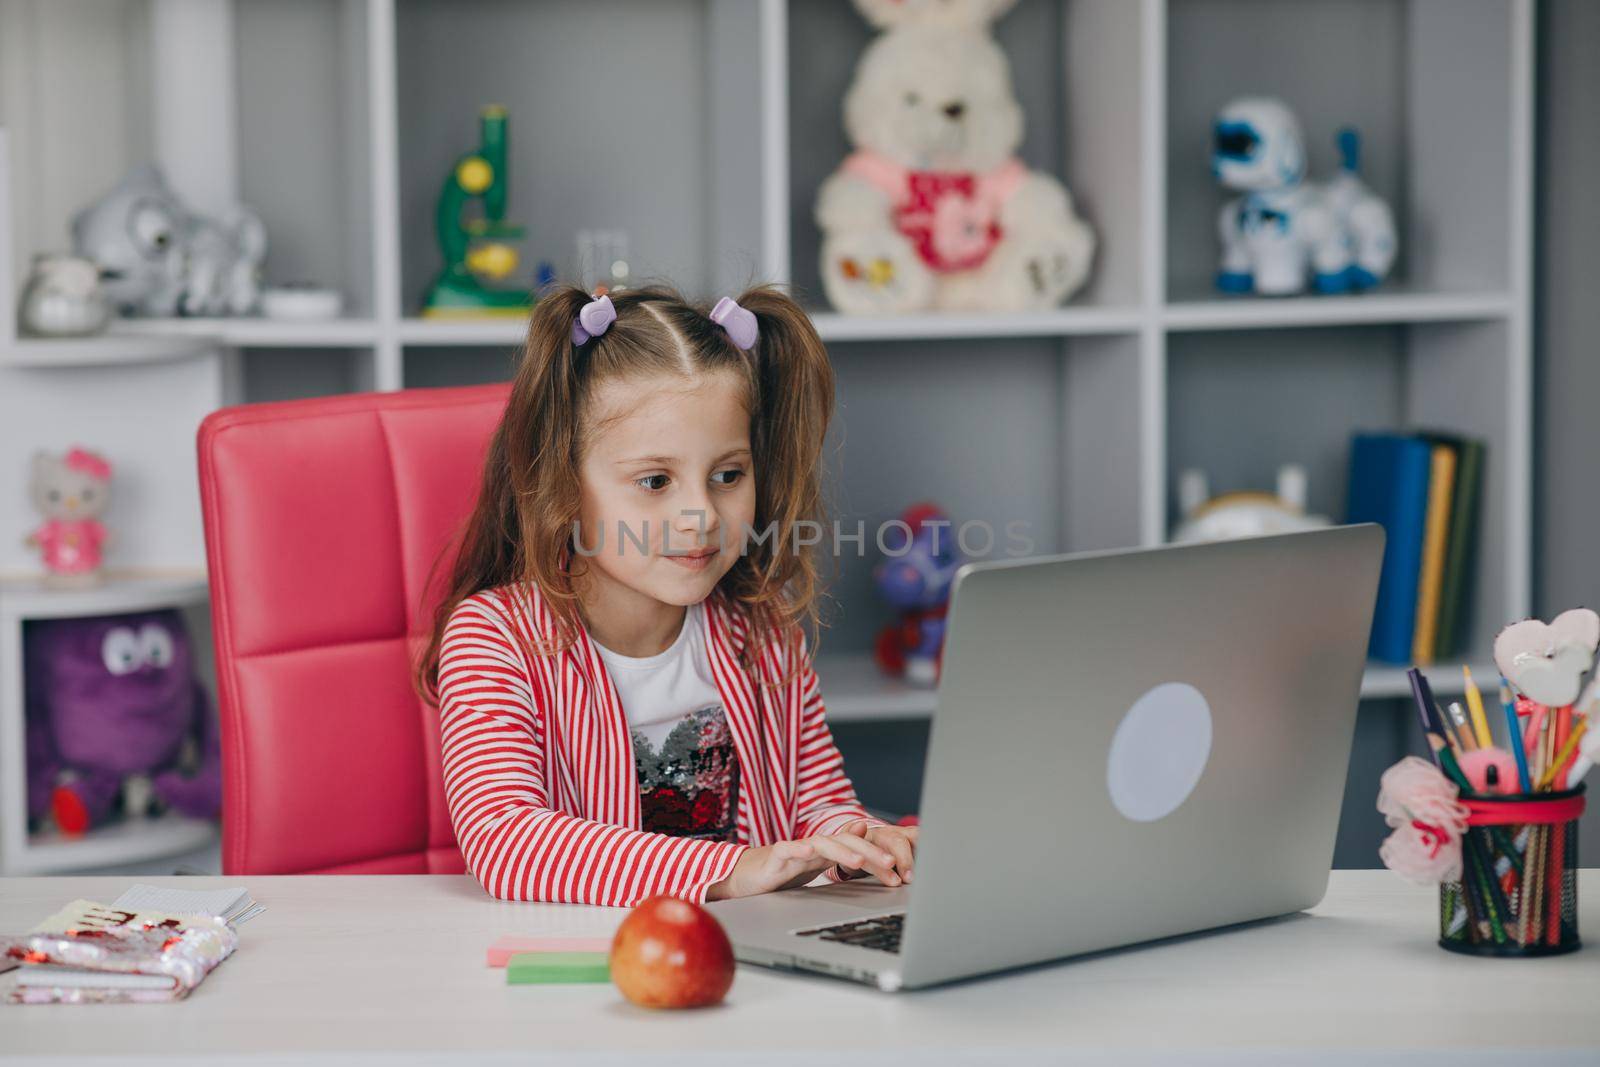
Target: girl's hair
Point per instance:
(521, 528)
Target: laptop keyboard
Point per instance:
(881, 932)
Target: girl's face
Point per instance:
(668, 482)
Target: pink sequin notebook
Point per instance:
(96, 953)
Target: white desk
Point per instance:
(391, 969)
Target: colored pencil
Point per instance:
(1535, 905)
(1530, 729)
(1488, 887)
(1480, 722)
(1501, 915)
(1525, 897)
(1514, 736)
(1558, 849)
(1447, 762)
(1564, 757)
(1463, 731)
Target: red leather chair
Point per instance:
(323, 518)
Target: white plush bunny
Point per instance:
(933, 209)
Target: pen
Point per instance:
(1422, 695)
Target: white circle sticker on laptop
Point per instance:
(1159, 752)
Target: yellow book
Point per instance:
(1430, 583)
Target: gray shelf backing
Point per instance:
(427, 367)
(1081, 119)
(297, 373)
(1334, 64)
(304, 149)
(1240, 403)
(995, 455)
(1459, 91)
(1427, 82)
(1458, 378)
(608, 126)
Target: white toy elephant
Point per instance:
(158, 258)
(933, 209)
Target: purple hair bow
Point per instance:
(739, 323)
(594, 318)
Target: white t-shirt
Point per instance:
(682, 747)
(659, 691)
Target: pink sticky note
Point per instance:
(502, 950)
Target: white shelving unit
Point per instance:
(137, 398)
(248, 332)
(721, 117)
(101, 351)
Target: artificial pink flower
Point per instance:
(1428, 819)
(1423, 853)
(1416, 789)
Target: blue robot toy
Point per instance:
(1285, 231)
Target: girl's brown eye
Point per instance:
(642, 482)
(733, 480)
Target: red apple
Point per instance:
(669, 953)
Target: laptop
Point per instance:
(1128, 746)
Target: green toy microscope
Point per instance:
(475, 250)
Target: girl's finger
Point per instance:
(870, 853)
(859, 852)
(895, 843)
(800, 870)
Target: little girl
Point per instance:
(627, 702)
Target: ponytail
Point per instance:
(794, 404)
(528, 495)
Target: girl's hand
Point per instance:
(788, 864)
(901, 841)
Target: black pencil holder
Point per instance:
(1518, 892)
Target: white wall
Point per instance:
(103, 51)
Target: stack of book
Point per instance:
(126, 951)
(1423, 489)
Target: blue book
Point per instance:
(1389, 486)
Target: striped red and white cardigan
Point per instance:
(538, 760)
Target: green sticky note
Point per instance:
(555, 968)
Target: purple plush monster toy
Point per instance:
(115, 713)
(917, 581)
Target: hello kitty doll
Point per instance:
(71, 491)
(933, 209)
